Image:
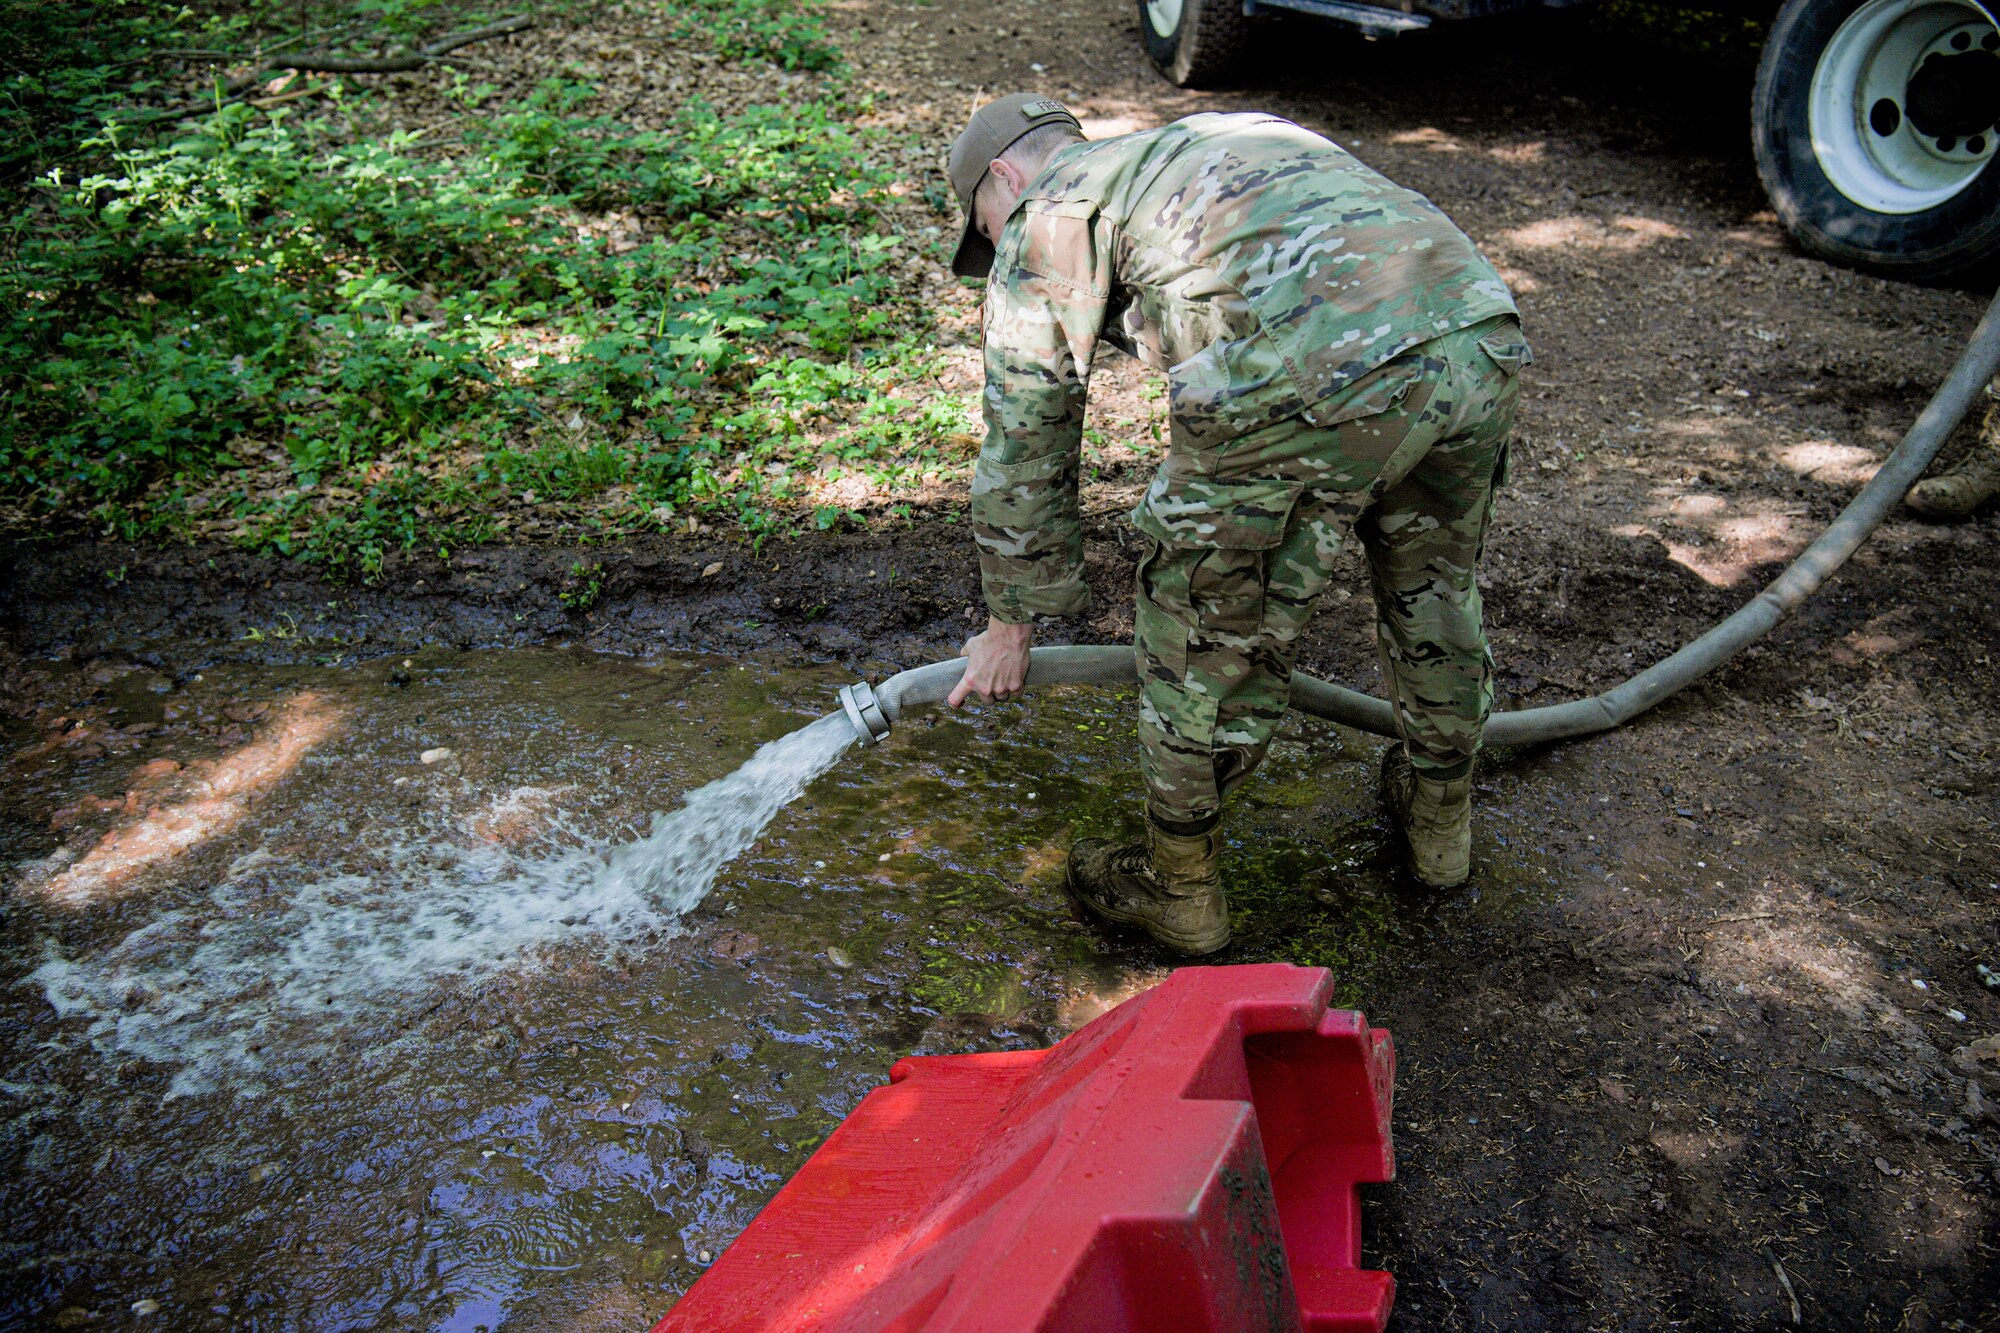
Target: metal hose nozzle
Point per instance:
(864, 711)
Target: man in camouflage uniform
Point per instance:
(1338, 356)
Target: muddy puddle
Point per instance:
(418, 994)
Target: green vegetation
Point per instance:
(584, 585)
(303, 322)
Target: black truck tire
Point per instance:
(1853, 175)
(1196, 43)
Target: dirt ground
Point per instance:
(1730, 1073)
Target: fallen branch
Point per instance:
(1785, 1281)
(1748, 916)
(408, 60)
(175, 53)
(310, 63)
(279, 99)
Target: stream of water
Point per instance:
(259, 962)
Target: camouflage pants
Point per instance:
(1243, 540)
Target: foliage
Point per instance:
(584, 585)
(429, 327)
(61, 65)
(781, 31)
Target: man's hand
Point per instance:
(996, 664)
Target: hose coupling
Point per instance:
(864, 711)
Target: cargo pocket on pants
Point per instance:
(1159, 636)
(1213, 538)
(1228, 515)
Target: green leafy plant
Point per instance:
(335, 339)
(584, 585)
(780, 31)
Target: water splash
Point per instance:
(262, 963)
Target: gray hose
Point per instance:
(1977, 364)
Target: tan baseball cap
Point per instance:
(993, 129)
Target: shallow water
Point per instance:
(314, 1034)
(260, 960)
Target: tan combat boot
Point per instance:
(1169, 886)
(1435, 817)
(1955, 494)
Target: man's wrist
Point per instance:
(1007, 631)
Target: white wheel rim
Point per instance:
(1869, 62)
(1164, 16)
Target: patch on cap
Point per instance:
(1047, 106)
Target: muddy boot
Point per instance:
(1953, 495)
(1169, 886)
(1435, 818)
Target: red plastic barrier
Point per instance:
(1186, 1162)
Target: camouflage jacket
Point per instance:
(1260, 266)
